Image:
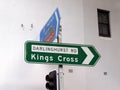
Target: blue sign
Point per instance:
(51, 29)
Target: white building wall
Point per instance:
(15, 73)
(79, 25)
(107, 47)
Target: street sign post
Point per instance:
(54, 53)
(51, 29)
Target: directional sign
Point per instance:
(54, 53)
(51, 28)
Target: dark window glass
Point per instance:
(103, 23)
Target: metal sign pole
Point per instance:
(60, 67)
(60, 78)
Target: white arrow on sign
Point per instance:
(89, 54)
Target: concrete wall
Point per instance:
(15, 73)
(108, 47)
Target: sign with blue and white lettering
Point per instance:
(51, 29)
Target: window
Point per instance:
(103, 23)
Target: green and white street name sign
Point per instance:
(54, 53)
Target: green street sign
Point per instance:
(54, 53)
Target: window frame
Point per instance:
(104, 23)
